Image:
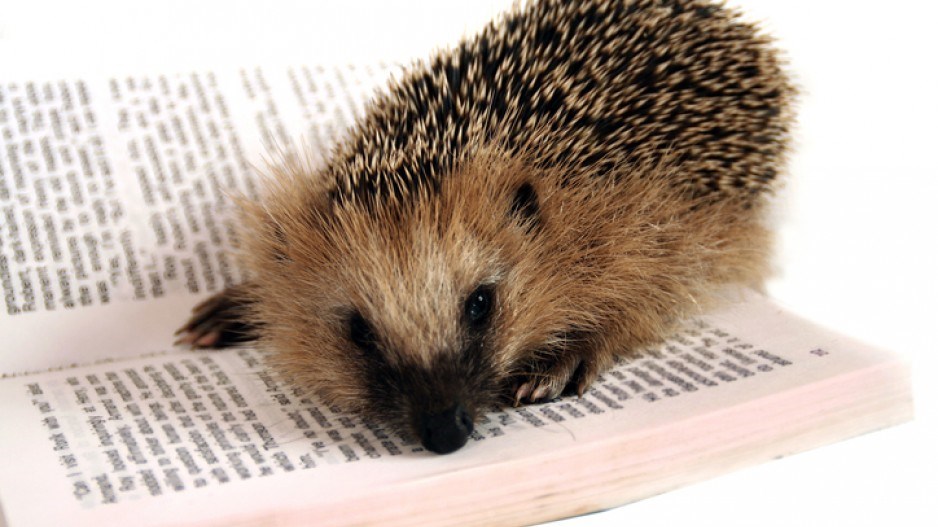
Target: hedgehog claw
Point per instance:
(549, 380)
(523, 392)
(540, 392)
(217, 322)
(585, 375)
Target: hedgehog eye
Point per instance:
(479, 305)
(361, 333)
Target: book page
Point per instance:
(115, 195)
(213, 436)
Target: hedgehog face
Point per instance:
(421, 336)
(418, 321)
(404, 312)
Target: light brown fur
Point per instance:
(622, 262)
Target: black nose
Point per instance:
(446, 431)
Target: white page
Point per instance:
(195, 435)
(115, 215)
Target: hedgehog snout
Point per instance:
(446, 431)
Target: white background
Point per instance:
(857, 221)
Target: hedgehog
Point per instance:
(515, 214)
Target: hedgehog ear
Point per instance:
(524, 206)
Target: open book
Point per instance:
(114, 222)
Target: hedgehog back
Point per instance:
(585, 85)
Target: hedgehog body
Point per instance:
(516, 212)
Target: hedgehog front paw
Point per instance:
(565, 374)
(218, 322)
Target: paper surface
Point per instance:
(187, 434)
(115, 191)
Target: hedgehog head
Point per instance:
(424, 309)
(417, 310)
